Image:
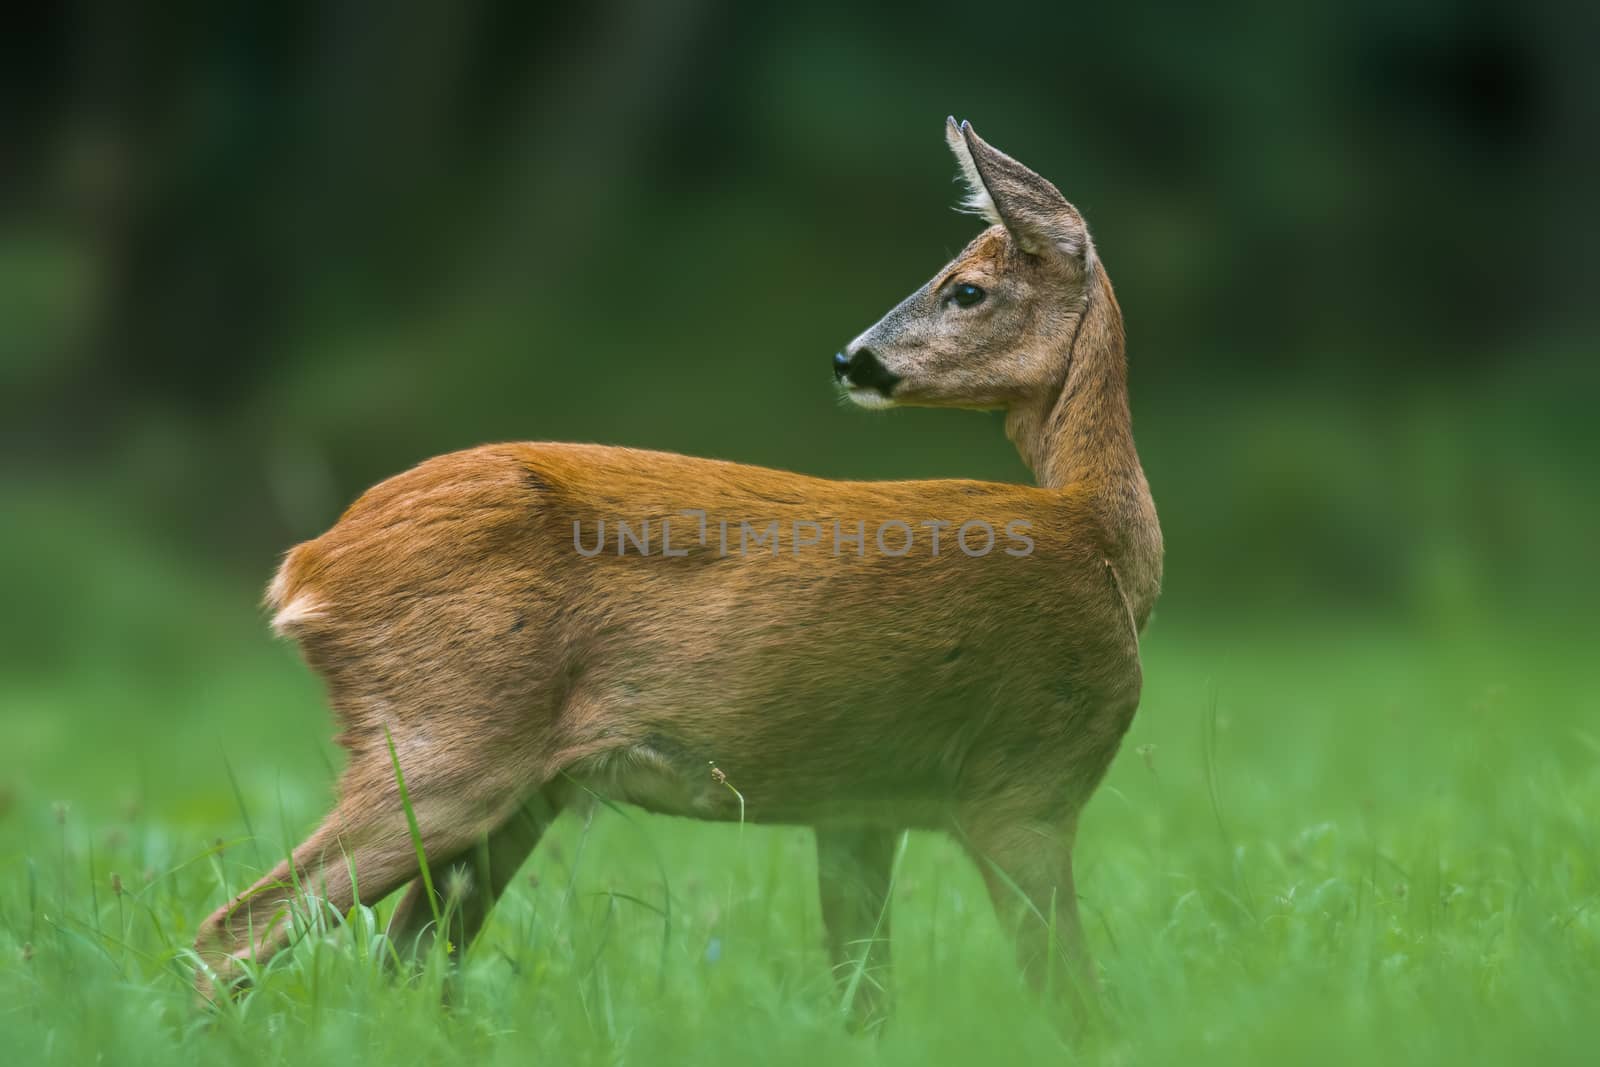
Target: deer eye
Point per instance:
(966, 295)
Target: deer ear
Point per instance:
(1005, 192)
(977, 201)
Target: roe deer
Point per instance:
(735, 620)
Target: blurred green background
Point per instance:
(254, 258)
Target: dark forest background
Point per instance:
(255, 257)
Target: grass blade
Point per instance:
(416, 832)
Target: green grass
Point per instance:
(1342, 842)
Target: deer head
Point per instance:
(995, 326)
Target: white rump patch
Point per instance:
(299, 611)
(279, 588)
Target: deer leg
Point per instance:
(471, 882)
(365, 841)
(256, 924)
(854, 868)
(1028, 869)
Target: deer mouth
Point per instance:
(864, 377)
(868, 398)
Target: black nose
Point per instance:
(864, 370)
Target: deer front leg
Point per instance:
(1027, 866)
(855, 868)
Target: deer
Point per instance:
(519, 629)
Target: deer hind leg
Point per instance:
(854, 871)
(256, 924)
(469, 883)
(364, 842)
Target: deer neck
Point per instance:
(1079, 435)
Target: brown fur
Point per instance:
(860, 693)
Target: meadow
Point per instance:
(255, 259)
(1327, 838)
